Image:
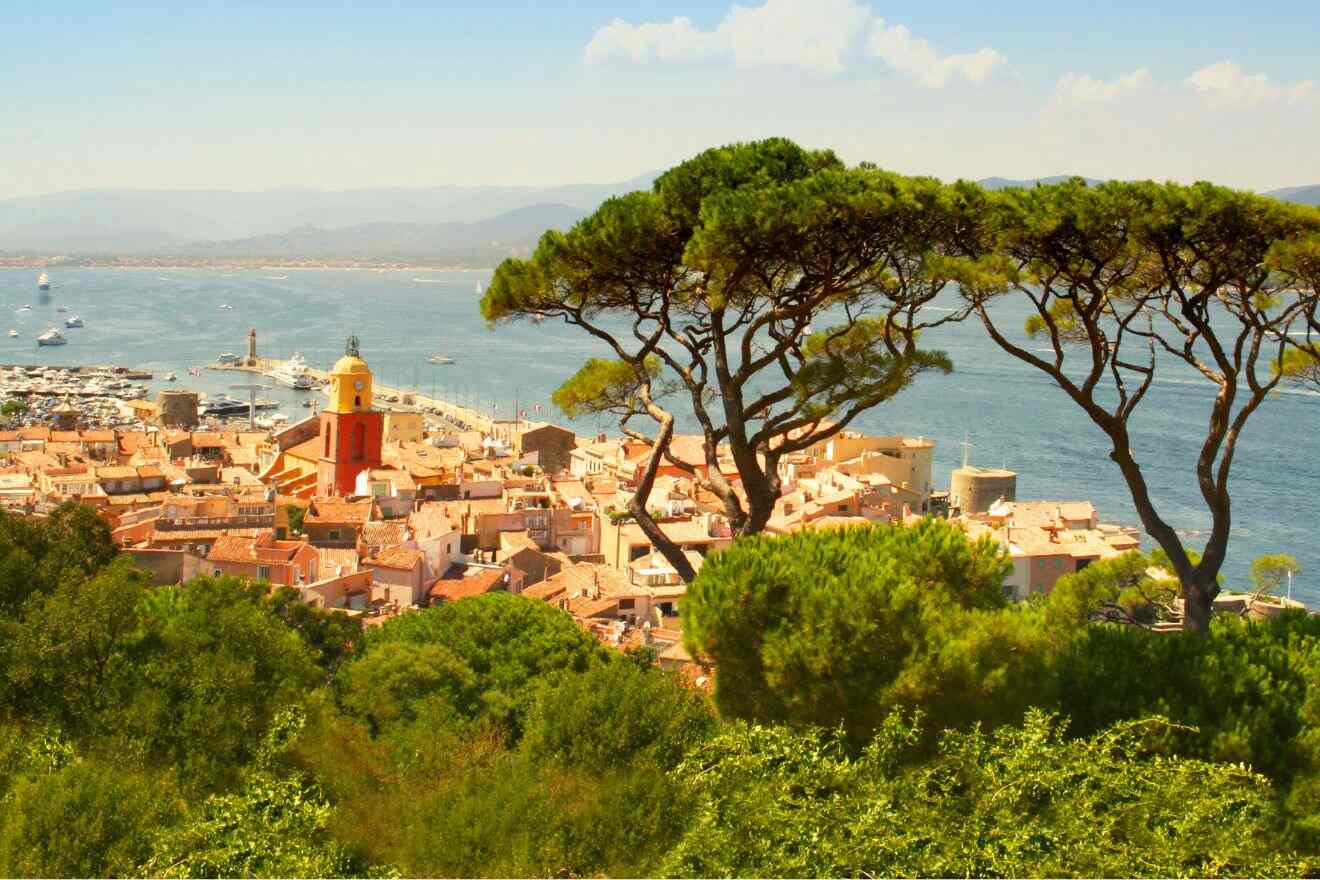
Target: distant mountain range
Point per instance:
(452, 225)
(1302, 195)
(1009, 183)
(139, 222)
(483, 243)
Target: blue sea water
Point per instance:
(1014, 416)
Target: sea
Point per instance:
(1009, 414)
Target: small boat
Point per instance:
(428, 280)
(226, 307)
(75, 321)
(13, 334)
(440, 359)
(478, 288)
(43, 281)
(24, 308)
(52, 337)
(276, 277)
(61, 308)
(170, 377)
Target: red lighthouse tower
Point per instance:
(351, 431)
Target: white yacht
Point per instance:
(24, 309)
(52, 337)
(226, 307)
(43, 281)
(13, 334)
(75, 321)
(293, 374)
(440, 359)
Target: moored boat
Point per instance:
(52, 337)
(43, 281)
(75, 321)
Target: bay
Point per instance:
(170, 320)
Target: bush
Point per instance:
(819, 627)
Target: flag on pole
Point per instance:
(536, 407)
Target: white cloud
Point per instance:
(821, 36)
(918, 59)
(1080, 88)
(676, 40)
(1226, 84)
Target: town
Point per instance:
(377, 510)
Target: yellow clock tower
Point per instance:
(351, 431)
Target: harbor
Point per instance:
(461, 417)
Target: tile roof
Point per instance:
(404, 558)
(261, 548)
(331, 559)
(340, 510)
(484, 581)
(385, 533)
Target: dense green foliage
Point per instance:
(1025, 801)
(838, 628)
(896, 707)
(879, 709)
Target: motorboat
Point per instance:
(171, 377)
(52, 337)
(75, 321)
(43, 281)
(226, 307)
(440, 359)
(13, 334)
(276, 277)
(223, 405)
(25, 308)
(61, 308)
(293, 374)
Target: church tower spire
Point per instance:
(351, 430)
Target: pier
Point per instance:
(475, 420)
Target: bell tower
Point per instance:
(351, 431)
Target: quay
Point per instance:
(86, 369)
(471, 419)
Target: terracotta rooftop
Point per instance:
(384, 534)
(403, 558)
(340, 510)
(454, 588)
(331, 561)
(262, 548)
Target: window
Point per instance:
(625, 604)
(332, 535)
(263, 572)
(357, 402)
(329, 430)
(637, 551)
(218, 573)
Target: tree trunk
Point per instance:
(1198, 605)
(637, 506)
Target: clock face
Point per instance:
(359, 384)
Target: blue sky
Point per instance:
(341, 95)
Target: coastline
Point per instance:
(300, 265)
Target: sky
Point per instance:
(340, 95)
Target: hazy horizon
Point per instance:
(248, 97)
